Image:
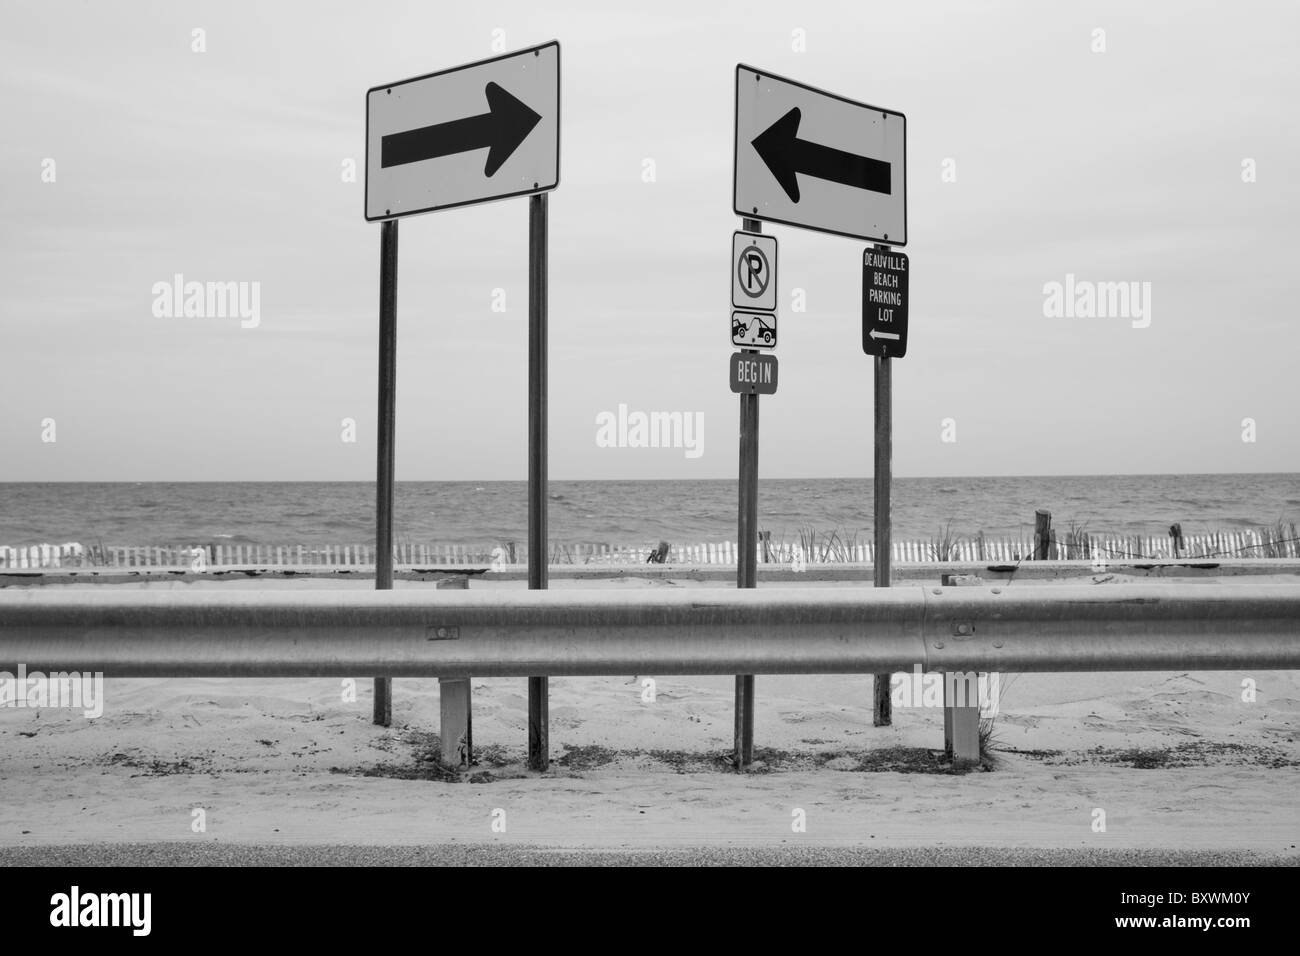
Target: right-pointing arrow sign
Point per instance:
(501, 129)
(471, 134)
(808, 158)
(785, 155)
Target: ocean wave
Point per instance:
(682, 511)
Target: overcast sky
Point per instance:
(228, 165)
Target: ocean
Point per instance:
(629, 513)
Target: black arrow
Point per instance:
(500, 131)
(785, 155)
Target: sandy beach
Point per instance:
(1174, 760)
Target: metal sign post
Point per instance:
(383, 715)
(538, 688)
(882, 705)
(747, 560)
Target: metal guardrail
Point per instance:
(455, 634)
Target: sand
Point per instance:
(1174, 760)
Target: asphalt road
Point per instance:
(215, 854)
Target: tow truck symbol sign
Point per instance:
(753, 330)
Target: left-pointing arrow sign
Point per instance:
(786, 155)
(810, 158)
(500, 130)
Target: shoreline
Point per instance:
(845, 573)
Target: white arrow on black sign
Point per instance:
(885, 281)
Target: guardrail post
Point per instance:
(961, 722)
(456, 725)
(455, 728)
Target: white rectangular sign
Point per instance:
(471, 134)
(807, 158)
(753, 271)
(753, 330)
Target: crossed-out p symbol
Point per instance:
(753, 271)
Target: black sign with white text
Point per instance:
(753, 373)
(884, 303)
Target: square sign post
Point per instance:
(472, 134)
(882, 705)
(752, 373)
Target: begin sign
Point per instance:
(753, 373)
(884, 303)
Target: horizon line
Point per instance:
(370, 481)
